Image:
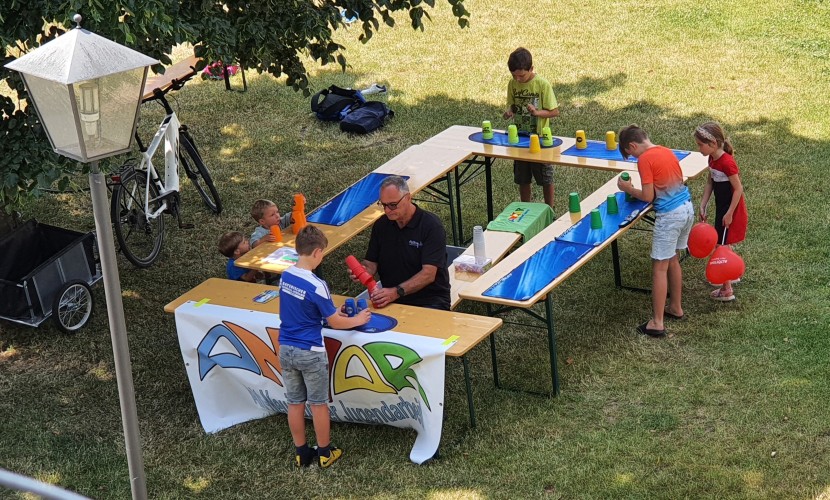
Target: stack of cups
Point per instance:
(351, 307)
(547, 137)
(573, 203)
(361, 305)
(534, 144)
(478, 245)
(275, 230)
(596, 219)
(512, 134)
(581, 142)
(486, 130)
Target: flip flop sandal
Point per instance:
(720, 296)
(644, 330)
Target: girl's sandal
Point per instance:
(722, 296)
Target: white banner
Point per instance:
(231, 357)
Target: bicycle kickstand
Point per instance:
(178, 215)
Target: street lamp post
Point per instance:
(87, 92)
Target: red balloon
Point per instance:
(724, 265)
(702, 240)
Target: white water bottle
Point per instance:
(478, 245)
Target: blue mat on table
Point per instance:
(596, 149)
(559, 255)
(378, 323)
(500, 139)
(581, 232)
(540, 269)
(346, 205)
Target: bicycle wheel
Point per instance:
(140, 239)
(198, 172)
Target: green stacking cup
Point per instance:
(611, 203)
(573, 203)
(624, 176)
(486, 130)
(512, 134)
(596, 219)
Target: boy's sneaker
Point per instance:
(305, 460)
(334, 455)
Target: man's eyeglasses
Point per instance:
(393, 205)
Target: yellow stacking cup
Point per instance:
(581, 143)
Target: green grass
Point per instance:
(733, 404)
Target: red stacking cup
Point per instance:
(360, 272)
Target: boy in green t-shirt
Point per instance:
(531, 104)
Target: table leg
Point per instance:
(469, 385)
(455, 227)
(488, 176)
(493, 358)
(554, 370)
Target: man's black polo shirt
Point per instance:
(401, 252)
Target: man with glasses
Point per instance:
(407, 251)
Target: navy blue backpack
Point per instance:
(366, 118)
(336, 103)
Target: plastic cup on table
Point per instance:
(547, 137)
(512, 134)
(351, 307)
(573, 203)
(486, 130)
(275, 230)
(361, 305)
(596, 219)
(581, 142)
(610, 140)
(534, 144)
(611, 204)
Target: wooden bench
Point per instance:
(469, 329)
(182, 69)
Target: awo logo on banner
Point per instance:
(380, 367)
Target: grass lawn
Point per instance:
(732, 405)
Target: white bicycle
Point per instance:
(140, 197)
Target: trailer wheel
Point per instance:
(72, 306)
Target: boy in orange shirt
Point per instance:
(662, 185)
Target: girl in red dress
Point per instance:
(725, 181)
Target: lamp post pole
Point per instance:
(118, 332)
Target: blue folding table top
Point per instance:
(346, 205)
(500, 139)
(596, 149)
(550, 261)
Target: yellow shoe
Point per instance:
(334, 455)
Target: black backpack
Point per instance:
(336, 103)
(366, 118)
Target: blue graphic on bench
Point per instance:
(597, 150)
(346, 205)
(581, 232)
(538, 271)
(500, 139)
(559, 255)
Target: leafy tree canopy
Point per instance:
(269, 36)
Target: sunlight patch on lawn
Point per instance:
(8, 353)
(197, 484)
(233, 130)
(456, 493)
(824, 495)
(130, 294)
(753, 479)
(623, 479)
(101, 372)
(795, 382)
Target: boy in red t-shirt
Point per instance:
(662, 185)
